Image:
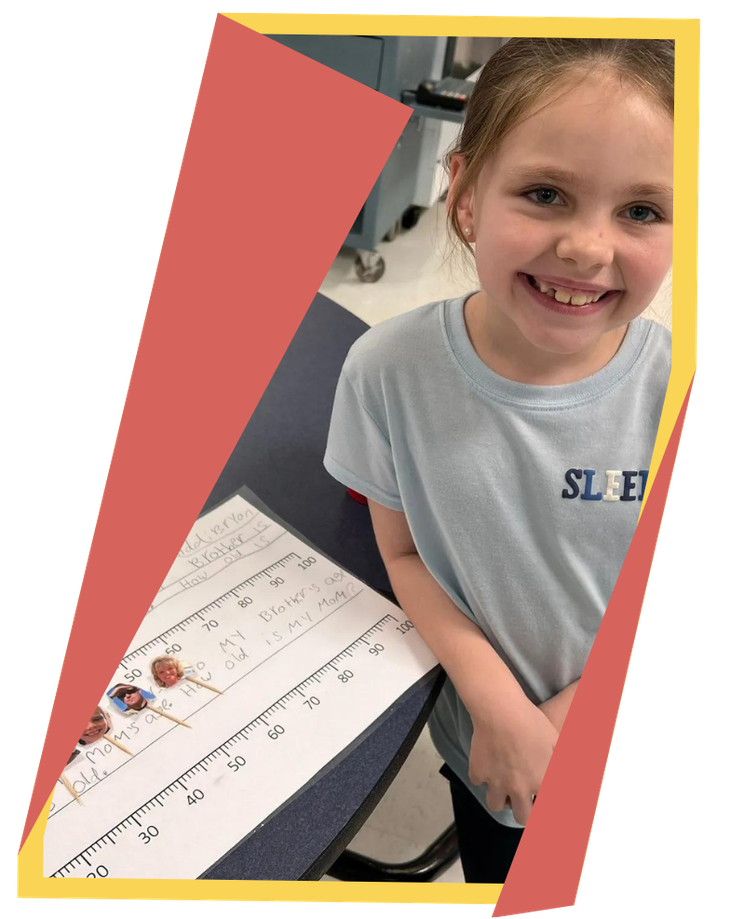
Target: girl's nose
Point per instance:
(587, 245)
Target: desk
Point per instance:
(279, 457)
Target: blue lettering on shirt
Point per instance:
(588, 494)
(629, 485)
(629, 492)
(571, 477)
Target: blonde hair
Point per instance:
(524, 70)
(166, 659)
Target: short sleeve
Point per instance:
(358, 451)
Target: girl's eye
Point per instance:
(642, 213)
(544, 196)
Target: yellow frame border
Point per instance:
(686, 34)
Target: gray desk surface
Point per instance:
(279, 457)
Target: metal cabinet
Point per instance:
(391, 65)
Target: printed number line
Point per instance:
(238, 735)
(201, 763)
(208, 579)
(230, 686)
(203, 609)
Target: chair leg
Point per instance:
(440, 855)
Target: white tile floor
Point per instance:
(421, 266)
(418, 269)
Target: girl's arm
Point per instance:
(556, 709)
(513, 739)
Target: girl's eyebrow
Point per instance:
(564, 177)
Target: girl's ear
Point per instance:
(464, 205)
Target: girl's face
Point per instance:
(572, 219)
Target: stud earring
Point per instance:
(467, 231)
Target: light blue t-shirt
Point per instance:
(522, 500)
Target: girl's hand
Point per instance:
(510, 752)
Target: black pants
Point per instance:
(486, 847)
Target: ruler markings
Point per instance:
(239, 735)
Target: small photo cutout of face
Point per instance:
(99, 724)
(169, 671)
(128, 698)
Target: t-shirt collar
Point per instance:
(529, 394)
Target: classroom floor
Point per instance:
(421, 266)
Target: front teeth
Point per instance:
(564, 296)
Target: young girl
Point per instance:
(504, 438)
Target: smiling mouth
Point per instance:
(567, 297)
